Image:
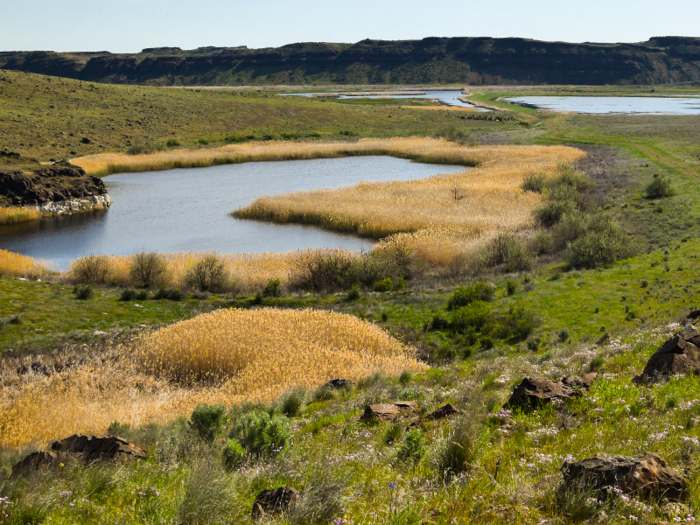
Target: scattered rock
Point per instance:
(36, 368)
(388, 411)
(644, 474)
(93, 448)
(535, 390)
(603, 340)
(36, 461)
(680, 355)
(85, 140)
(274, 501)
(9, 154)
(337, 384)
(443, 412)
(693, 316)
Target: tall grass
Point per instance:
(18, 265)
(18, 215)
(225, 357)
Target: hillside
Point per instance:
(466, 60)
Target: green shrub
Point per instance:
(659, 187)
(172, 143)
(260, 434)
(385, 285)
(354, 293)
(393, 433)
(542, 242)
(573, 225)
(470, 318)
(457, 451)
(128, 295)
(506, 248)
(603, 243)
(439, 322)
(143, 148)
(84, 292)
(534, 183)
(148, 270)
(175, 295)
(232, 139)
(203, 141)
(142, 295)
(292, 402)
(371, 268)
(465, 296)
(563, 335)
(232, 454)
(118, 429)
(208, 274)
(412, 448)
(406, 377)
(272, 289)
(518, 324)
(208, 421)
(511, 287)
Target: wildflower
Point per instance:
(392, 486)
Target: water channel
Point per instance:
(188, 210)
(627, 105)
(450, 97)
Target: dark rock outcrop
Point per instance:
(680, 355)
(533, 391)
(337, 384)
(641, 475)
(36, 461)
(59, 182)
(444, 411)
(274, 501)
(388, 411)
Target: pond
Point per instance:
(188, 210)
(450, 97)
(603, 105)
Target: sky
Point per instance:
(125, 26)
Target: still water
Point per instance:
(451, 98)
(187, 210)
(641, 105)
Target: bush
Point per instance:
(208, 274)
(406, 377)
(535, 183)
(128, 295)
(508, 249)
(203, 141)
(354, 294)
(208, 421)
(511, 287)
(603, 243)
(148, 270)
(323, 271)
(518, 324)
(542, 242)
(260, 434)
(172, 294)
(393, 433)
(322, 500)
(172, 143)
(292, 402)
(371, 268)
(465, 296)
(93, 269)
(143, 148)
(412, 448)
(457, 451)
(573, 225)
(272, 289)
(142, 295)
(84, 292)
(470, 318)
(385, 285)
(659, 187)
(118, 429)
(232, 454)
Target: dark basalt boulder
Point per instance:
(59, 182)
(388, 411)
(337, 384)
(680, 355)
(641, 475)
(444, 411)
(36, 461)
(533, 391)
(274, 501)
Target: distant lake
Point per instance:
(451, 98)
(187, 210)
(602, 105)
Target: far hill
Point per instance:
(475, 61)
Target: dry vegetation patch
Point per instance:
(227, 357)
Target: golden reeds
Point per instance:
(18, 215)
(18, 265)
(228, 356)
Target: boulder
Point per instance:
(641, 475)
(693, 316)
(36, 461)
(337, 384)
(274, 501)
(388, 411)
(680, 355)
(93, 448)
(603, 340)
(443, 412)
(536, 390)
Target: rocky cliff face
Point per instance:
(50, 184)
(431, 60)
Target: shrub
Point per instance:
(93, 269)
(208, 274)
(465, 296)
(143, 148)
(573, 225)
(208, 421)
(354, 293)
(535, 183)
(292, 402)
(322, 500)
(203, 141)
(506, 248)
(603, 243)
(118, 429)
(323, 393)
(457, 451)
(542, 242)
(439, 322)
(518, 323)
(142, 295)
(128, 295)
(385, 285)
(371, 268)
(84, 292)
(470, 318)
(148, 270)
(272, 289)
(511, 287)
(393, 433)
(260, 434)
(406, 377)
(232, 454)
(660, 186)
(563, 335)
(412, 448)
(323, 271)
(172, 143)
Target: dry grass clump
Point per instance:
(414, 148)
(484, 200)
(18, 265)
(225, 357)
(17, 215)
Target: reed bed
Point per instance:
(484, 200)
(224, 357)
(18, 215)
(17, 265)
(414, 148)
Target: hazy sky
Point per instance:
(131, 25)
